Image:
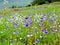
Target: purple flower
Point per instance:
(46, 32)
(30, 22)
(16, 32)
(45, 18)
(37, 40)
(15, 23)
(41, 18)
(40, 22)
(26, 17)
(26, 24)
(53, 31)
(35, 31)
(29, 33)
(43, 30)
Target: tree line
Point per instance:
(36, 2)
(39, 2)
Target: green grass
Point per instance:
(9, 16)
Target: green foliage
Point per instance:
(8, 37)
(39, 2)
(13, 6)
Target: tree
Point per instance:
(13, 6)
(39, 2)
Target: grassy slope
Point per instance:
(43, 9)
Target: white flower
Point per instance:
(20, 38)
(37, 32)
(56, 30)
(7, 22)
(41, 36)
(11, 44)
(28, 35)
(58, 22)
(13, 32)
(34, 19)
(4, 3)
(1, 31)
(31, 35)
(15, 39)
(59, 25)
(35, 27)
(17, 18)
(5, 0)
(37, 20)
(32, 27)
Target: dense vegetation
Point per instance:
(35, 25)
(39, 2)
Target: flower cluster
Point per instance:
(5, 3)
(34, 27)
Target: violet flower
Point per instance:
(30, 22)
(26, 24)
(26, 17)
(46, 32)
(43, 30)
(16, 32)
(15, 23)
(37, 40)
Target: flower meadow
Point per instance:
(38, 29)
(30, 25)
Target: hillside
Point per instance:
(35, 25)
(45, 8)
